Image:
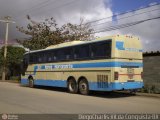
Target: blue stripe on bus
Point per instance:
(99, 64)
(24, 82)
(107, 64)
(94, 65)
(116, 86)
(57, 83)
(92, 85)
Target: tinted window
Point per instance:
(33, 58)
(40, 57)
(96, 50)
(26, 58)
(65, 54)
(101, 49)
(81, 52)
(49, 57)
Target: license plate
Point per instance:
(130, 72)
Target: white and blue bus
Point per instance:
(105, 64)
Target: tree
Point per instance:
(44, 34)
(79, 32)
(13, 60)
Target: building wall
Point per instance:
(151, 72)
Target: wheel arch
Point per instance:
(83, 78)
(30, 77)
(71, 77)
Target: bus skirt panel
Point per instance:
(115, 86)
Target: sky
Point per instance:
(65, 11)
(127, 5)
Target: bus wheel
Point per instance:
(83, 87)
(72, 86)
(31, 82)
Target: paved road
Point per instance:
(17, 99)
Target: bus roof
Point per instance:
(72, 43)
(65, 44)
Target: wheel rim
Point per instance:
(83, 87)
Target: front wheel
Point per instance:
(83, 87)
(31, 82)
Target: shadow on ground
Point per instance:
(101, 94)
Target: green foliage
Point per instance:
(14, 55)
(44, 34)
(13, 60)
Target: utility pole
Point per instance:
(6, 20)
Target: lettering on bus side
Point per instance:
(63, 66)
(50, 67)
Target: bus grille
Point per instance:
(102, 81)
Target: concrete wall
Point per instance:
(151, 74)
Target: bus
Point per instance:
(104, 64)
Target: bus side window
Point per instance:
(45, 55)
(49, 56)
(69, 54)
(40, 57)
(81, 52)
(31, 58)
(54, 55)
(101, 50)
(65, 54)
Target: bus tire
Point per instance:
(31, 82)
(83, 87)
(72, 86)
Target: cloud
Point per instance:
(74, 10)
(65, 11)
(148, 32)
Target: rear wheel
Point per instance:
(83, 87)
(31, 82)
(72, 86)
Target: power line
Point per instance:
(62, 5)
(115, 15)
(49, 4)
(40, 5)
(126, 17)
(124, 25)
